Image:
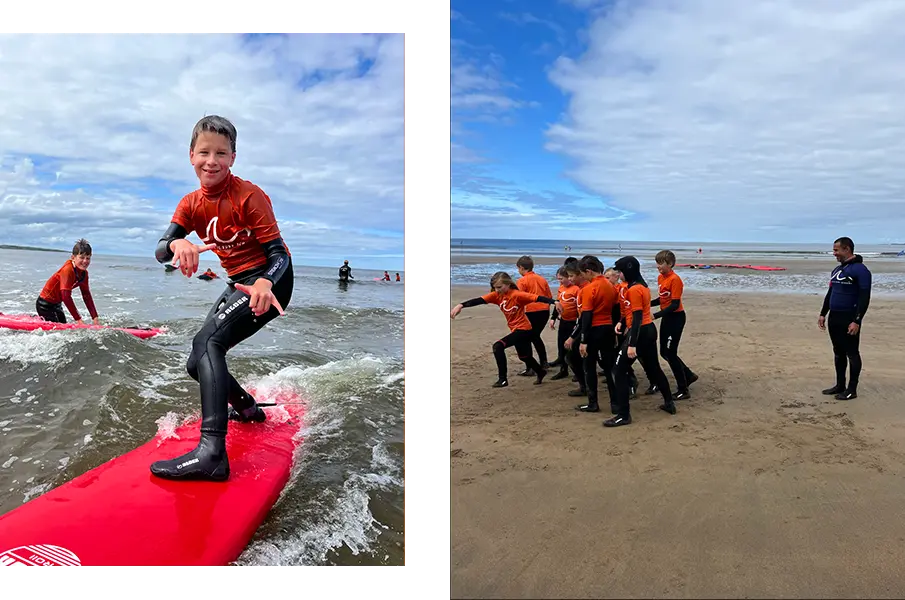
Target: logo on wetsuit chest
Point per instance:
(233, 306)
(225, 244)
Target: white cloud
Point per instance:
(724, 120)
(320, 122)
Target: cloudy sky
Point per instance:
(699, 120)
(95, 130)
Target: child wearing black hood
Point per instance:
(640, 343)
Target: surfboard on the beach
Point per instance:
(120, 514)
(33, 322)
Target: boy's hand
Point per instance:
(186, 254)
(78, 322)
(96, 320)
(262, 297)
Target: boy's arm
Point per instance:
(277, 259)
(673, 307)
(174, 232)
(89, 300)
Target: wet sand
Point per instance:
(759, 487)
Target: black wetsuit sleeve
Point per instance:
(826, 303)
(587, 317)
(473, 302)
(636, 328)
(545, 300)
(673, 307)
(655, 301)
(863, 303)
(277, 259)
(555, 314)
(616, 314)
(174, 232)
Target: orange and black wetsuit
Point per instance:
(642, 335)
(624, 311)
(568, 300)
(600, 312)
(512, 304)
(538, 313)
(238, 217)
(58, 291)
(672, 312)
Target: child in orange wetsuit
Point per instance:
(234, 218)
(670, 287)
(537, 312)
(566, 310)
(512, 303)
(58, 289)
(615, 277)
(640, 343)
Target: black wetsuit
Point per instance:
(229, 322)
(846, 301)
(50, 312)
(671, 327)
(345, 272)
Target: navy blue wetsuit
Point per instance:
(846, 302)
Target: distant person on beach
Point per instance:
(640, 344)
(57, 290)
(846, 301)
(595, 332)
(538, 314)
(235, 220)
(512, 303)
(566, 310)
(398, 278)
(669, 299)
(386, 276)
(345, 271)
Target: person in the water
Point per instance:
(58, 289)
(345, 271)
(234, 218)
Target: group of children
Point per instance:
(605, 319)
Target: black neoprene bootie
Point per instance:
(253, 414)
(208, 461)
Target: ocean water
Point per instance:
(479, 271)
(72, 400)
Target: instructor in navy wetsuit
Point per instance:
(846, 302)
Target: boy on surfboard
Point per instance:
(234, 218)
(58, 289)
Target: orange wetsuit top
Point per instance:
(638, 297)
(623, 301)
(60, 285)
(513, 304)
(237, 216)
(601, 299)
(568, 300)
(670, 288)
(533, 283)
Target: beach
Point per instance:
(760, 486)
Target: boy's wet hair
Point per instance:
(525, 262)
(215, 124)
(563, 272)
(590, 263)
(665, 257)
(501, 277)
(569, 261)
(572, 269)
(81, 248)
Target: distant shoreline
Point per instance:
(35, 248)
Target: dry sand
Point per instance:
(759, 487)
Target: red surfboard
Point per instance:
(120, 514)
(32, 322)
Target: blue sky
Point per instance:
(696, 121)
(94, 137)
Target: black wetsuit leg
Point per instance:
(650, 362)
(671, 327)
(538, 319)
(565, 330)
(50, 312)
(633, 379)
(521, 340)
(621, 369)
(229, 322)
(600, 343)
(846, 348)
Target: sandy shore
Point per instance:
(792, 266)
(759, 487)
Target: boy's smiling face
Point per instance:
(212, 157)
